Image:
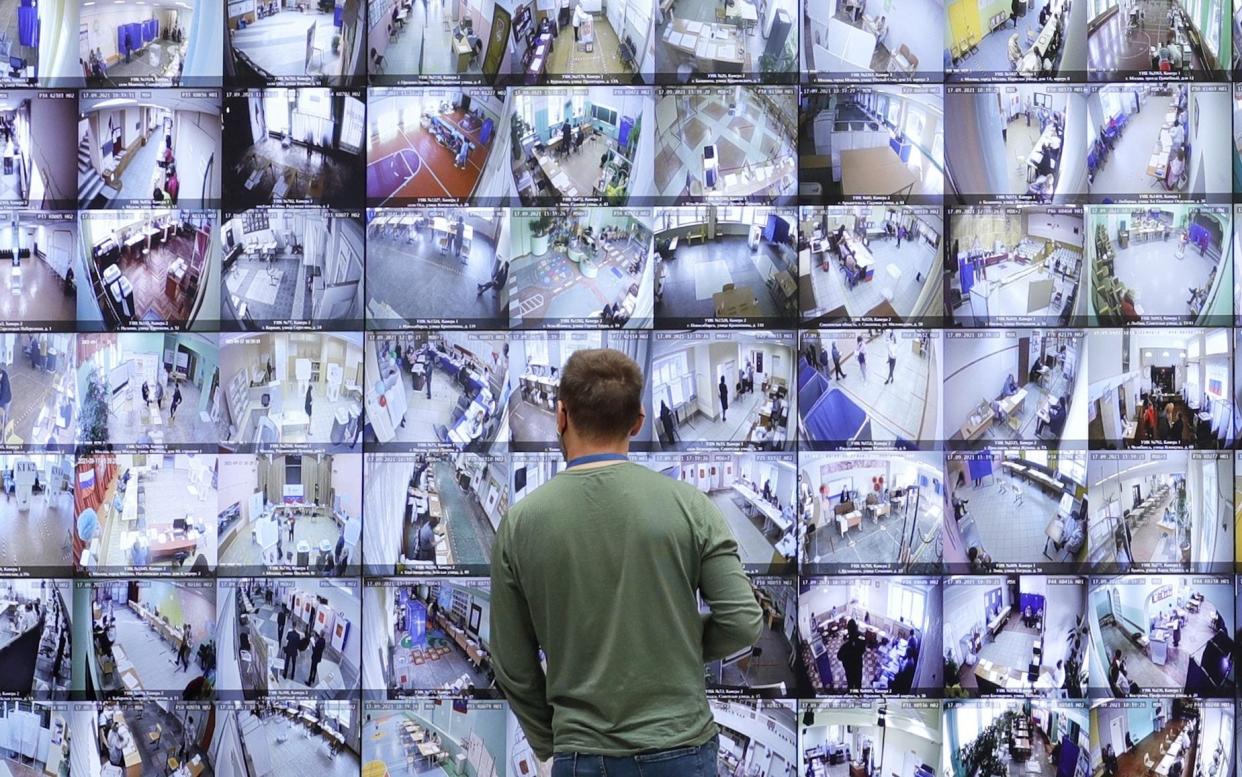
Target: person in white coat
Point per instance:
(579, 17)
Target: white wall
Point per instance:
(975, 370)
(1212, 142)
(1060, 227)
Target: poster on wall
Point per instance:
(340, 631)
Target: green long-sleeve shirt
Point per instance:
(602, 568)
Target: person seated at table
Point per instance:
(1010, 388)
(1028, 617)
(158, 197)
(1129, 313)
(1056, 415)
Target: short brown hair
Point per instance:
(602, 392)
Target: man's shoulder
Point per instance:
(639, 481)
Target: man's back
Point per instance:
(601, 569)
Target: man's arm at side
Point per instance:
(515, 651)
(736, 619)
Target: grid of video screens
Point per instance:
(935, 300)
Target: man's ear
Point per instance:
(638, 424)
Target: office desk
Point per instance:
(863, 259)
(771, 514)
(1158, 642)
(876, 170)
(1012, 403)
(463, 50)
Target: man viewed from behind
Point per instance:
(602, 569)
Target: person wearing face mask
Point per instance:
(649, 548)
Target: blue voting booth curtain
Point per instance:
(416, 622)
(28, 25)
(979, 468)
(338, 16)
(623, 131)
(1199, 235)
(965, 275)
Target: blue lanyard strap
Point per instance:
(594, 457)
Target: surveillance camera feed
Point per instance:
(148, 148)
(871, 635)
(1014, 264)
(161, 43)
(866, 263)
(925, 313)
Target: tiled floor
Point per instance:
(383, 740)
(38, 537)
(154, 660)
(295, 750)
(1162, 280)
(278, 43)
(436, 660)
(907, 407)
(332, 676)
(274, 290)
(875, 542)
(914, 261)
(188, 426)
(992, 53)
(530, 423)
(696, 272)
(424, 414)
(754, 546)
(1008, 529)
(33, 389)
(734, 426)
(312, 528)
(446, 286)
(423, 44)
(1125, 169)
(166, 496)
(140, 65)
(553, 286)
(470, 534)
(748, 135)
(40, 296)
(1140, 669)
(581, 165)
(1111, 48)
(605, 57)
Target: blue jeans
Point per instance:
(679, 762)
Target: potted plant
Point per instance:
(540, 228)
(95, 409)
